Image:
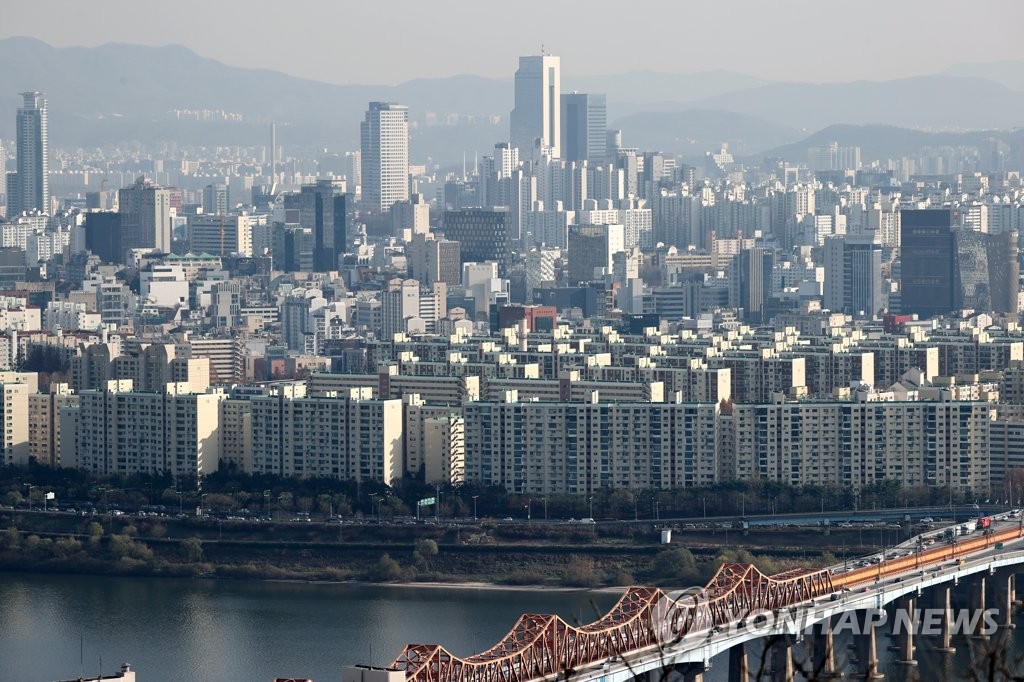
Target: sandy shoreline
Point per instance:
(497, 586)
(471, 585)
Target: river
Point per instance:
(57, 627)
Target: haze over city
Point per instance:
(357, 42)
(460, 342)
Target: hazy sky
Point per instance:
(390, 41)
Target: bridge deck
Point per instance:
(545, 646)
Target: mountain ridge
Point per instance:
(119, 92)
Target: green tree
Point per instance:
(95, 532)
(124, 547)
(193, 548)
(66, 547)
(425, 549)
(11, 539)
(13, 498)
(579, 572)
(621, 504)
(677, 565)
(386, 570)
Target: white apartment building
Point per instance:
(44, 433)
(350, 437)
(15, 389)
(384, 135)
(434, 441)
(918, 443)
(70, 316)
(124, 432)
(547, 448)
(236, 435)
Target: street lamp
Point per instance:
(373, 503)
(704, 501)
(545, 509)
(202, 511)
(474, 507)
(30, 489)
(591, 501)
(529, 509)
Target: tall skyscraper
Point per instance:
(28, 188)
(853, 276)
(750, 282)
(215, 199)
(145, 216)
(591, 251)
(928, 270)
(483, 235)
(327, 212)
(272, 160)
(536, 118)
(584, 127)
(384, 136)
(987, 271)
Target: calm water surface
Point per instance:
(195, 630)
(175, 630)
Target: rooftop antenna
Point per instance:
(542, 49)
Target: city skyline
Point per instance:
(751, 32)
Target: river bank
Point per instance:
(479, 556)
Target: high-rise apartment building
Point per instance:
(384, 135)
(347, 437)
(543, 448)
(584, 127)
(28, 188)
(15, 389)
(124, 432)
(536, 118)
(44, 433)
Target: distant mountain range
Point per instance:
(879, 141)
(118, 92)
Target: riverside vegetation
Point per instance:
(539, 554)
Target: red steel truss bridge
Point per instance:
(545, 646)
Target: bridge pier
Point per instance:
(867, 650)
(1003, 588)
(946, 645)
(823, 654)
(978, 604)
(1013, 589)
(739, 668)
(905, 636)
(782, 668)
